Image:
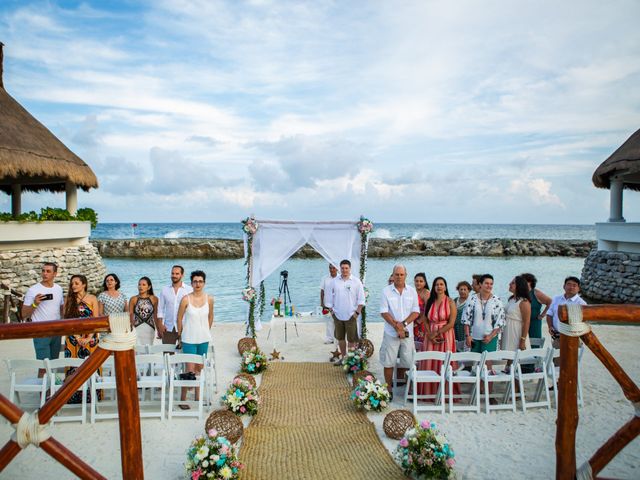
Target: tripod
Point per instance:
(283, 292)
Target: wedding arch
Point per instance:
(269, 243)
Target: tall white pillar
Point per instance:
(16, 200)
(615, 214)
(72, 198)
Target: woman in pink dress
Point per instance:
(420, 324)
(441, 316)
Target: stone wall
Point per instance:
(21, 268)
(611, 277)
(378, 247)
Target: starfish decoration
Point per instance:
(275, 355)
(336, 354)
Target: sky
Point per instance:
(404, 111)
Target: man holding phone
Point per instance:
(45, 301)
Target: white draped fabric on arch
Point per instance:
(276, 241)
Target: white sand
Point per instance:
(499, 445)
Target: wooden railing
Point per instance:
(567, 422)
(127, 394)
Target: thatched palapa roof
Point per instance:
(31, 155)
(626, 161)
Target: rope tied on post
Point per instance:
(576, 327)
(29, 431)
(584, 472)
(121, 337)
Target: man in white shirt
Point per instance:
(168, 305)
(571, 296)
(325, 286)
(399, 308)
(345, 301)
(45, 301)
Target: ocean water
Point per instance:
(226, 278)
(382, 230)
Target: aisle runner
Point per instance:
(307, 428)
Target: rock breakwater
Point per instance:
(213, 248)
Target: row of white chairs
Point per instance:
(157, 374)
(486, 369)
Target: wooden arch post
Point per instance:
(127, 393)
(567, 422)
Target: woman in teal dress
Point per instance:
(538, 299)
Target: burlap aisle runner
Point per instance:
(307, 428)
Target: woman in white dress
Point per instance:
(195, 319)
(518, 315)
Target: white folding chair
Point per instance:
(23, 374)
(105, 383)
(161, 348)
(176, 365)
(467, 377)
(211, 375)
(537, 358)
(417, 376)
(152, 375)
(553, 372)
(502, 371)
(537, 342)
(141, 349)
(56, 370)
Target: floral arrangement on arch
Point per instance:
(241, 398)
(424, 452)
(370, 394)
(354, 361)
(248, 294)
(365, 227)
(253, 361)
(250, 225)
(212, 456)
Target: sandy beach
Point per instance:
(500, 445)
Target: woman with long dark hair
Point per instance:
(420, 324)
(111, 300)
(143, 311)
(518, 315)
(440, 311)
(538, 300)
(79, 304)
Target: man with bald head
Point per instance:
(399, 308)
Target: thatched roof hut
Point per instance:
(31, 157)
(624, 164)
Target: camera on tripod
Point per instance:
(284, 274)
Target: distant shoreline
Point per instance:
(216, 248)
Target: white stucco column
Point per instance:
(72, 198)
(615, 213)
(16, 200)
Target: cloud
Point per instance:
(204, 140)
(535, 190)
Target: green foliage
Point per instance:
(53, 214)
(88, 215)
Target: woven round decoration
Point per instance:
(247, 377)
(246, 343)
(360, 376)
(227, 423)
(367, 346)
(397, 422)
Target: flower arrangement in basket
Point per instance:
(253, 361)
(370, 394)
(241, 398)
(248, 294)
(354, 361)
(424, 452)
(212, 456)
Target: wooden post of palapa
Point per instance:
(129, 415)
(567, 422)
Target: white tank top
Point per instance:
(195, 323)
